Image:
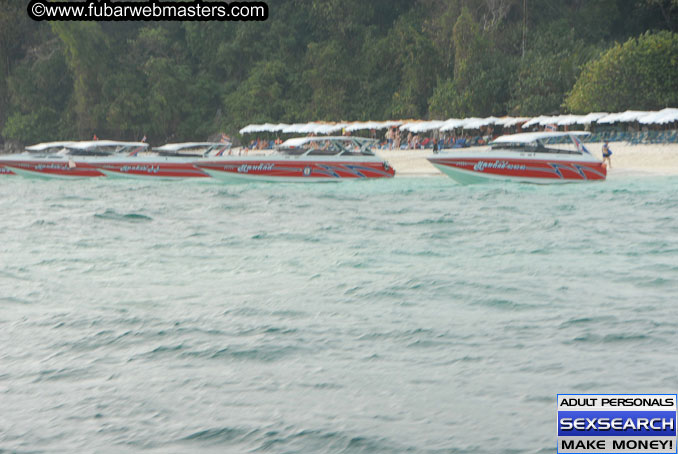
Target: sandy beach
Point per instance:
(657, 159)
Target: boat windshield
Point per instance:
(542, 142)
(535, 147)
(103, 148)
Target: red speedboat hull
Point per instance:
(6, 171)
(51, 168)
(150, 169)
(465, 169)
(295, 170)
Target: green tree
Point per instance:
(481, 75)
(14, 23)
(548, 71)
(642, 74)
(331, 78)
(260, 98)
(329, 60)
(419, 66)
(443, 102)
(87, 50)
(33, 127)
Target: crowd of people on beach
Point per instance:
(394, 139)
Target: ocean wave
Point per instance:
(112, 215)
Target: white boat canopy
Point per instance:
(49, 145)
(189, 145)
(93, 144)
(301, 141)
(530, 137)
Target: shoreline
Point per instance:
(651, 159)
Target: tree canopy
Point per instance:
(333, 60)
(642, 72)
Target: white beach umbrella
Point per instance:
(248, 129)
(509, 122)
(468, 123)
(593, 117)
(549, 120)
(668, 115)
(568, 120)
(533, 121)
(408, 126)
(451, 124)
(623, 117)
(478, 123)
(308, 128)
(329, 128)
(362, 125)
(426, 126)
(293, 128)
(391, 124)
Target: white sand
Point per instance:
(654, 159)
(409, 162)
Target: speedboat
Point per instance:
(531, 157)
(99, 158)
(305, 159)
(170, 161)
(53, 160)
(41, 149)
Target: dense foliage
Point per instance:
(332, 60)
(642, 72)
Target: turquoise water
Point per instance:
(411, 315)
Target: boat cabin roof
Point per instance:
(189, 145)
(327, 146)
(299, 141)
(93, 144)
(49, 145)
(533, 137)
(537, 142)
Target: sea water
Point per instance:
(412, 315)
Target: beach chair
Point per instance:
(650, 137)
(637, 138)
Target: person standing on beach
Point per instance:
(606, 154)
(389, 138)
